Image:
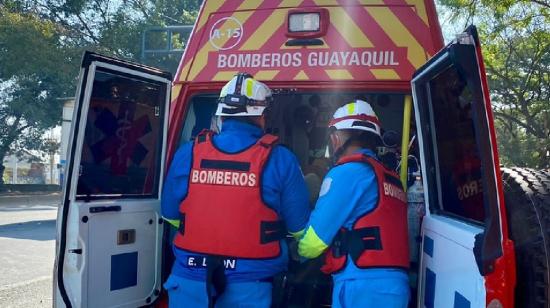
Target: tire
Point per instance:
(527, 199)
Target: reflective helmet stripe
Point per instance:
(351, 108)
(359, 117)
(243, 96)
(249, 87)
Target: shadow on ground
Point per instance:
(38, 230)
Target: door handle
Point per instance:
(101, 209)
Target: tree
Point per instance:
(32, 78)
(516, 48)
(41, 44)
(115, 27)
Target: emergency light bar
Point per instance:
(307, 24)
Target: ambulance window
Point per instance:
(200, 115)
(456, 152)
(123, 138)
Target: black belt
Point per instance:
(271, 231)
(268, 279)
(356, 241)
(215, 279)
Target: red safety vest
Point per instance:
(223, 213)
(380, 237)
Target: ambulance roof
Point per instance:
(366, 40)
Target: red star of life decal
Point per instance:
(121, 138)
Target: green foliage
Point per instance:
(41, 45)
(33, 76)
(516, 48)
(501, 12)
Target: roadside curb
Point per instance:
(28, 198)
(31, 195)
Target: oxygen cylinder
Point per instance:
(415, 212)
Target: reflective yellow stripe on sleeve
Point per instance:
(174, 222)
(297, 235)
(311, 246)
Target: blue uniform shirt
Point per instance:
(283, 189)
(347, 193)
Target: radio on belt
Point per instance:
(304, 24)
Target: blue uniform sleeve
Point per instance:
(347, 192)
(176, 182)
(285, 190)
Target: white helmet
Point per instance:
(357, 115)
(243, 96)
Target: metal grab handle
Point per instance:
(101, 209)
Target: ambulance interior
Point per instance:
(300, 120)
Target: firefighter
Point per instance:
(233, 197)
(360, 219)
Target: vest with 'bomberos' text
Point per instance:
(379, 238)
(223, 213)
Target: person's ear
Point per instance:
(262, 121)
(335, 140)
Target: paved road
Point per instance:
(27, 244)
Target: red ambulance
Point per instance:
(483, 241)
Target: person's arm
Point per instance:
(341, 193)
(176, 184)
(285, 190)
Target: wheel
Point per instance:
(527, 198)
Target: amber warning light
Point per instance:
(307, 24)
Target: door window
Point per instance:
(461, 191)
(457, 146)
(121, 152)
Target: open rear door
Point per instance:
(465, 225)
(109, 229)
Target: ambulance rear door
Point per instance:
(109, 229)
(462, 232)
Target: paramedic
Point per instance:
(360, 218)
(232, 196)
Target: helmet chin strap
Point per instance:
(337, 153)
